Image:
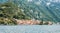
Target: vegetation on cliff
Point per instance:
(8, 11)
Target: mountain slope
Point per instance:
(48, 10)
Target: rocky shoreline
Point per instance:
(35, 22)
(7, 21)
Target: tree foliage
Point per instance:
(11, 10)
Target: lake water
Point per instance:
(30, 29)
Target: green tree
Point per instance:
(11, 10)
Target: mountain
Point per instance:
(48, 10)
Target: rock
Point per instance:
(27, 22)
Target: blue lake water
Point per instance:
(30, 29)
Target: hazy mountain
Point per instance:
(40, 9)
